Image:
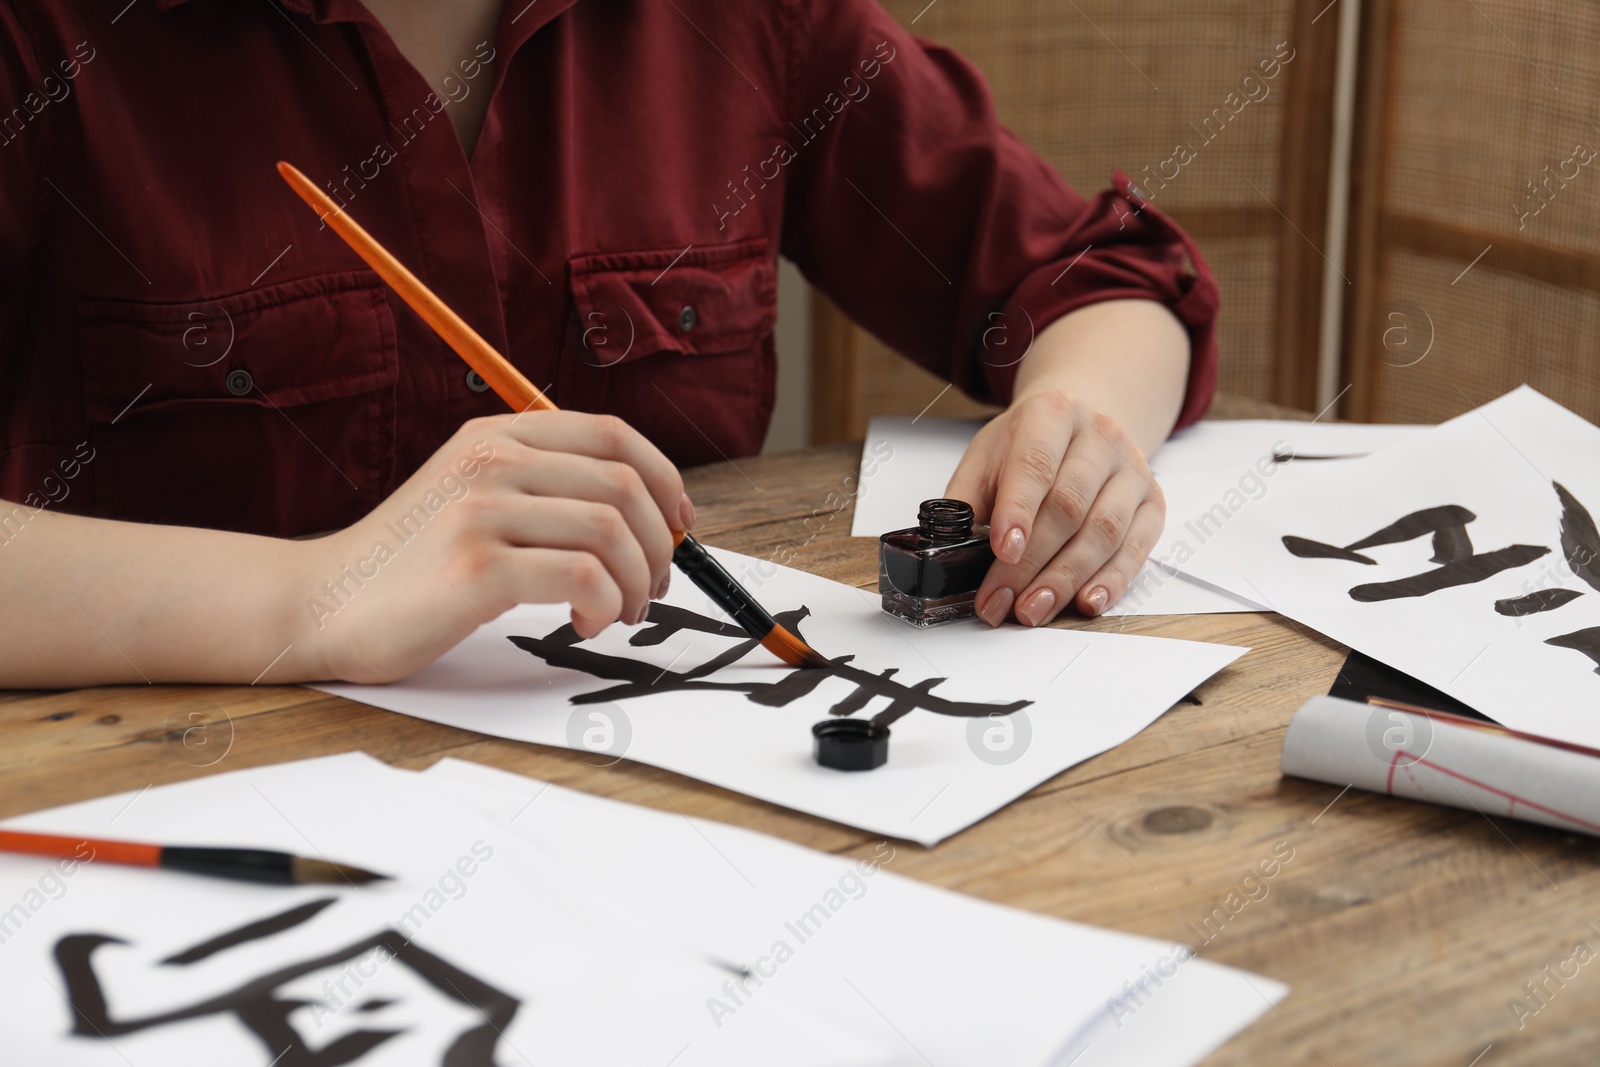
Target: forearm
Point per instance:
(93, 602)
(1128, 359)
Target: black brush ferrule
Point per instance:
(725, 591)
(240, 864)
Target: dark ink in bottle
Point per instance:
(930, 573)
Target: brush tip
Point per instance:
(792, 649)
(323, 872)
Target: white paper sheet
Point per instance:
(1076, 694)
(559, 927)
(1211, 465)
(1500, 462)
(1239, 443)
(904, 462)
(1423, 757)
(479, 933)
(994, 986)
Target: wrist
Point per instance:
(297, 570)
(1040, 383)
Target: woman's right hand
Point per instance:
(543, 507)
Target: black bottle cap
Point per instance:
(851, 744)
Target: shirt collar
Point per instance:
(519, 19)
(319, 10)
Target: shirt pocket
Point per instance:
(676, 341)
(270, 411)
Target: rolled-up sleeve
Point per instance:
(936, 228)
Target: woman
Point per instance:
(196, 374)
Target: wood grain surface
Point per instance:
(1405, 931)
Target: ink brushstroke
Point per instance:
(1580, 541)
(561, 648)
(259, 1007)
(1452, 548)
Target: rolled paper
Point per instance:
(1418, 756)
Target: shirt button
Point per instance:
(476, 383)
(239, 382)
(687, 318)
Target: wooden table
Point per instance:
(1403, 929)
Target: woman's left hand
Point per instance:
(1072, 507)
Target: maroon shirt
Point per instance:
(181, 335)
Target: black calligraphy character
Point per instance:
(1452, 547)
(561, 648)
(265, 1012)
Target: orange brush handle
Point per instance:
(480, 355)
(72, 848)
(492, 367)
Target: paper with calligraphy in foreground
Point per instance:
(526, 923)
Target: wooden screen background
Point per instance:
(1096, 85)
(1474, 268)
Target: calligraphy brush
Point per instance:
(240, 864)
(522, 395)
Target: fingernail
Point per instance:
(997, 606)
(1035, 611)
(686, 512)
(666, 580)
(638, 616)
(1097, 599)
(1011, 548)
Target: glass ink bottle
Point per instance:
(930, 573)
